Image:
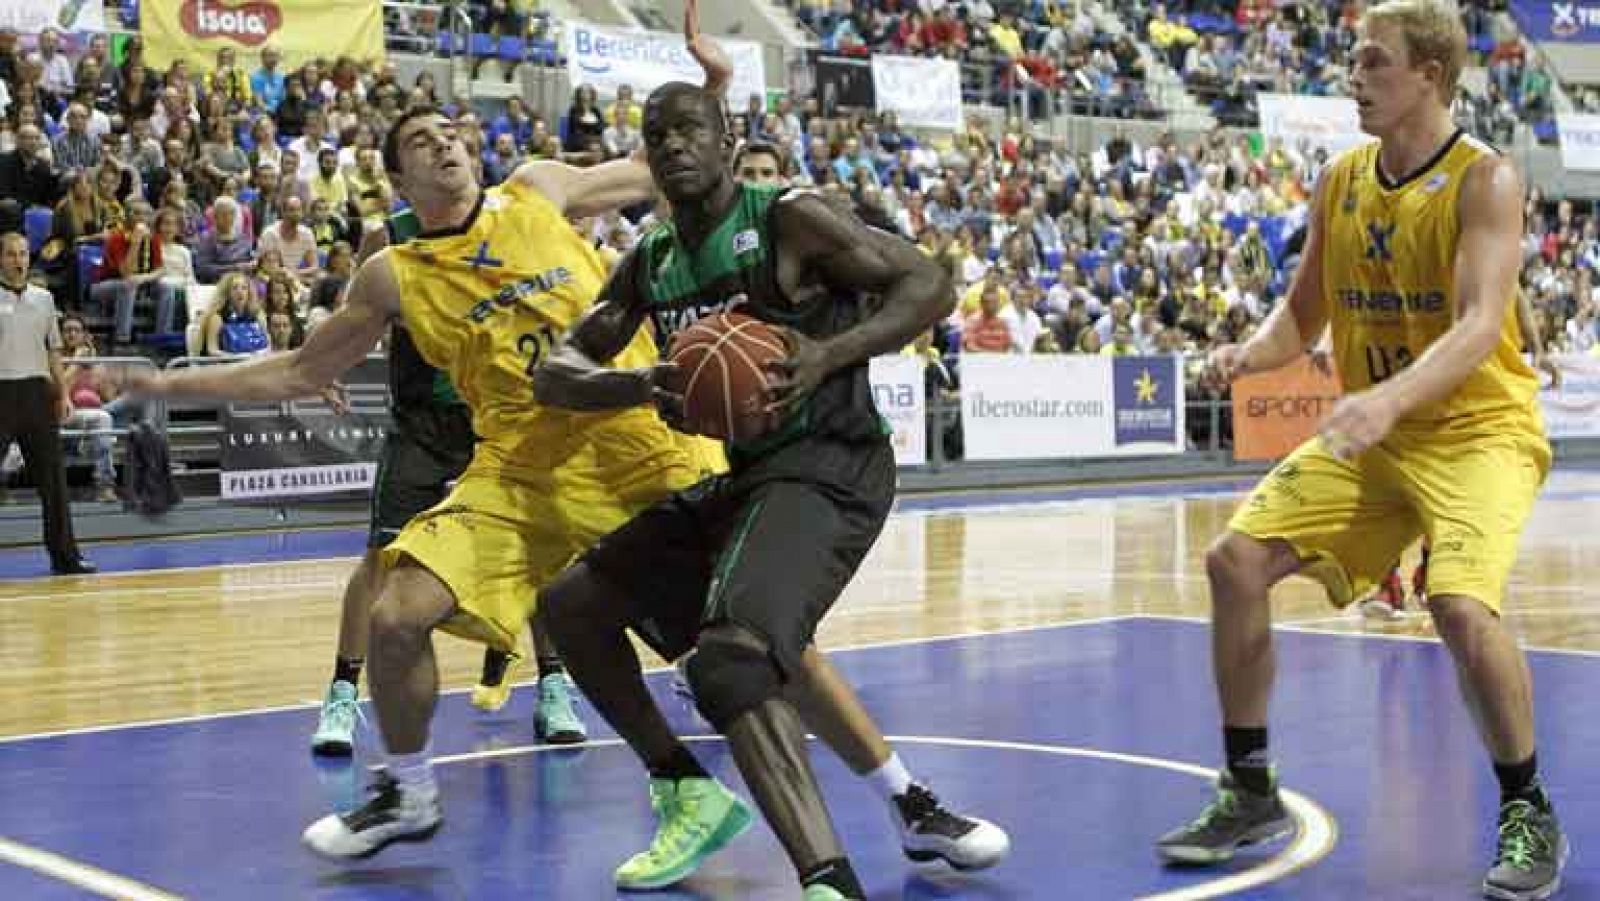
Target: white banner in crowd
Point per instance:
(898, 389)
(1573, 410)
(1580, 141)
(34, 16)
(1330, 122)
(1048, 406)
(608, 58)
(924, 93)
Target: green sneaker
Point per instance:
(824, 893)
(1235, 818)
(556, 721)
(697, 818)
(336, 729)
(1531, 854)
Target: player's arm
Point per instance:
(340, 343)
(1533, 341)
(575, 376)
(1488, 259)
(1295, 325)
(847, 255)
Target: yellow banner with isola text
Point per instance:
(302, 30)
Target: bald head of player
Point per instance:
(687, 143)
(1406, 63)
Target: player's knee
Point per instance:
(1242, 564)
(731, 674)
(1461, 621)
(411, 603)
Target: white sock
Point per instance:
(414, 772)
(891, 779)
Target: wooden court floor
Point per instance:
(135, 647)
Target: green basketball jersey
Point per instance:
(736, 267)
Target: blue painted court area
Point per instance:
(1016, 726)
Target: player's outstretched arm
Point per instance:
(333, 348)
(837, 249)
(1488, 260)
(1292, 327)
(575, 376)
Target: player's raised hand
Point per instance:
(1357, 423)
(706, 51)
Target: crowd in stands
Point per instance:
(1055, 51)
(143, 190)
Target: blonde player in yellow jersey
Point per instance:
(1412, 258)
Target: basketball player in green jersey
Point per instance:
(741, 568)
(429, 444)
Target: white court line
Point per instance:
(1381, 636)
(1315, 838)
(82, 875)
(103, 593)
(164, 570)
(866, 646)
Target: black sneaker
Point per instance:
(1531, 853)
(928, 831)
(394, 814)
(1237, 817)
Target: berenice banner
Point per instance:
(34, 16)
(608, 58)
(194, 30)
(1052, 406)
(1569, 23)
(267, 453)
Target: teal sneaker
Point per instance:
(336, 728)
(556, 722)
(1530, 856)
(697, 817)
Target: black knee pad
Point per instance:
(730, 679)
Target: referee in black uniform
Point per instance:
(33, 399)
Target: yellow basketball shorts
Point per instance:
(1350, 521)
(706, 455)
(497, 540)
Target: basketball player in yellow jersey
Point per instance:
(1412, 258)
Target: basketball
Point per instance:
(722, 374)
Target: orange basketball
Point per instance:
(722, 375)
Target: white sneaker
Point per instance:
(928, 831)
(394, 814)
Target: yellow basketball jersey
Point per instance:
(1388, 274)
(488, 301)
